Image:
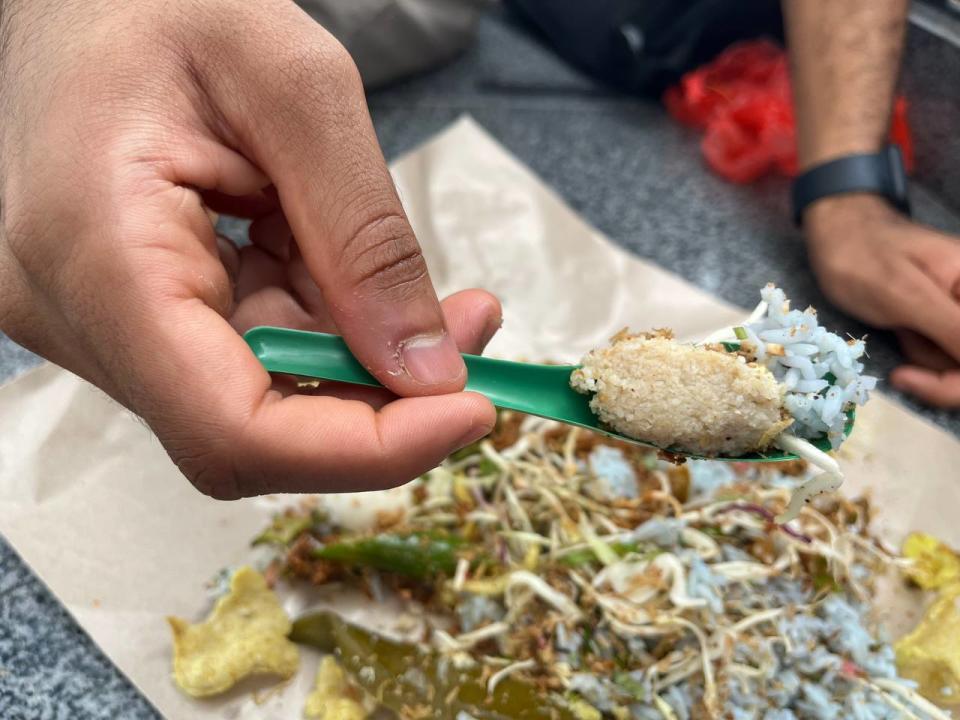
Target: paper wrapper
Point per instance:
(93, 504)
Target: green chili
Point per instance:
(414, 554)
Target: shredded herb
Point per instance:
(525, 569)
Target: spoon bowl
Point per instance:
(534, 389)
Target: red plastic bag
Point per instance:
(706, 91)
(900, 133)
(742, 101)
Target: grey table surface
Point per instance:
(618, 161)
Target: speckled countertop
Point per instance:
(619, 162)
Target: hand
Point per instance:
(932, 375)
(893, 273)
(120, 123)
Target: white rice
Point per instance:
(811, 355)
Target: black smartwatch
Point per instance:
(881, 173)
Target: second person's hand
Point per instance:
(119, 123)
(896, 274)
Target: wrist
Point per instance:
(834, 148)
(829, 135)
(839, 214)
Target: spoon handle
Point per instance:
(530, 388)
(307, 354)
(536, 389)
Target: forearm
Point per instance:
(844, 61)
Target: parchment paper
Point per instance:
(92, 503)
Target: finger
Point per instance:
(307, 290)
(264, 296)
(273, 306)
(921, 351)
(223, 176)
(376, 398)
(259, 442)
(272, 233)
(362, 449)
(940, 389)
(939, 256)
(473, 317)
(930, 310)
(251, 206)
(258, 270)
(229, 256)
(318, 145)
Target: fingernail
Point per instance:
(432, 359)
(903, 380)
(493, 325)
(473, 435)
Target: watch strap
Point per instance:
(881, 173)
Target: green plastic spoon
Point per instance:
(542, 390)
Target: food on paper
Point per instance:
(610, 585)
(333, 696)
(416, 681)
(930, 655)
(246, 634)
(935, 565)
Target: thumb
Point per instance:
(320, 150)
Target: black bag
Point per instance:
(643, 46)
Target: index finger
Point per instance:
(921, 351)
(932, 311)
(940, 389)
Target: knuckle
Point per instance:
(223, 459)
(847, 272)
(210, 470)
(339, 63)
(908, 288)
(19, 308)
(835, 282)
(384, 258)
(318, 70)
(256, 481)
(309, 84)
(18, 228)
(17, 327)
(15, 317)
